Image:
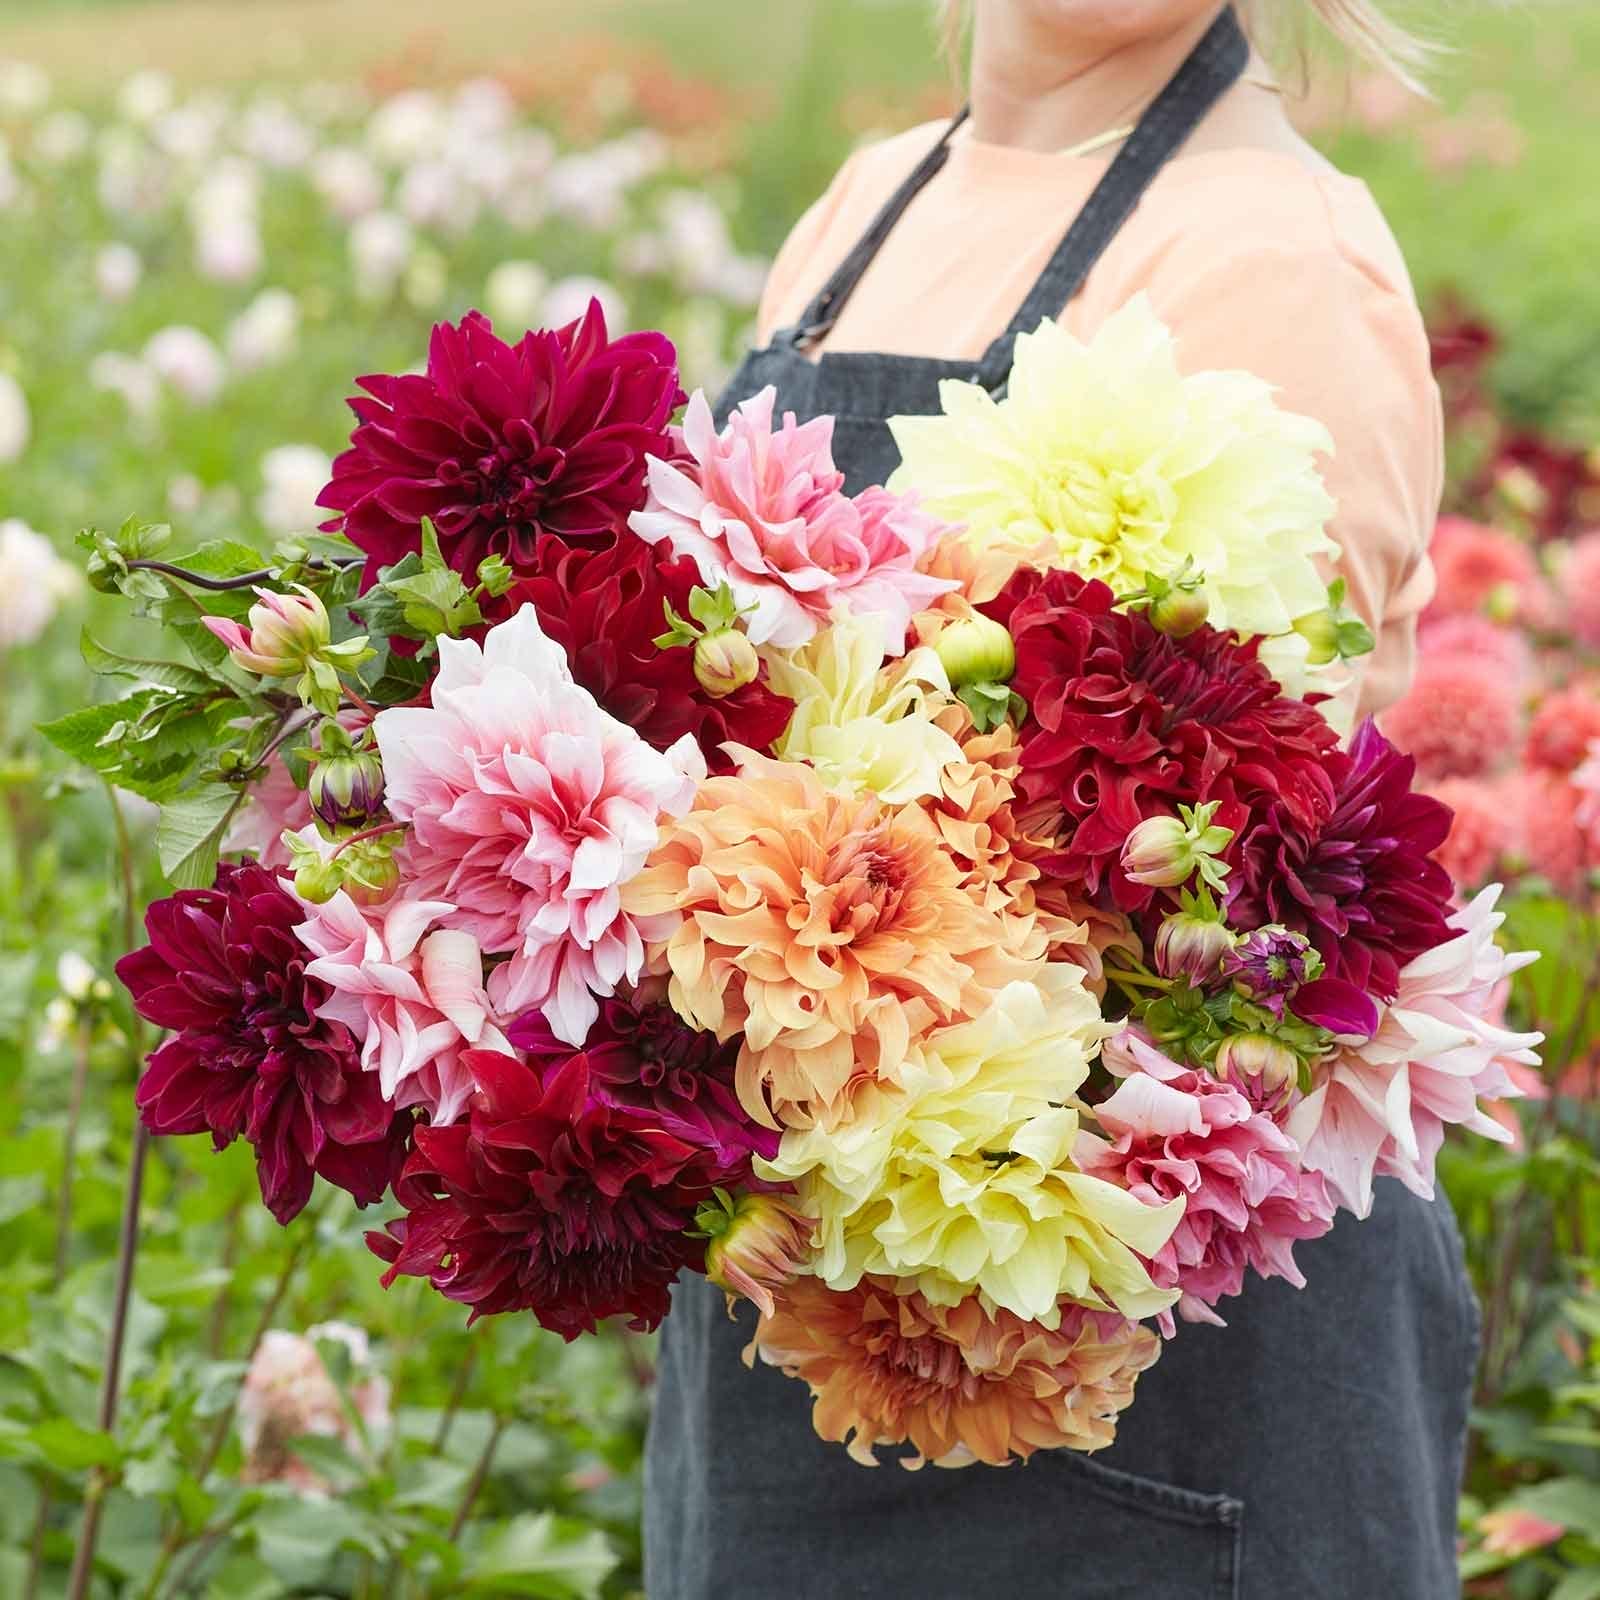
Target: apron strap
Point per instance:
(818, 318)
(1213, 67)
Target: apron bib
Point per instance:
(1311, 1450)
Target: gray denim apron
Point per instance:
(1311, 1450)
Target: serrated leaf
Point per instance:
(167, 674)
(189, 839)
(221, 558)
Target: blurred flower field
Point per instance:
(191, 276)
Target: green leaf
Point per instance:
(168, 674)
(1573, 1502)
(329, 1459)
(541, 1554)
(1578, 1586)
(221, 558)
(298, 1545)
(82, 734)
(189, 840)
(70, 1448)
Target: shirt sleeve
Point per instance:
(1340, 344)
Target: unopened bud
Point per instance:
(758, 1243)
(317, 882)
(1179, 612)
(1192, 947)
(1254, 1060)
(725, 661)
(1320, 630)
(1163, 852)
(976, 649)
(286, 632)
(346, 783)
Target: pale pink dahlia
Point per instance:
(414, 999)
(1548, 808)
(1177, 1132)
(764, 510)
(1383, 1107)
(1483, 828)
(1481, 639)
(1580, 587)
(1461, 718)
(1566, 725)
(529, 808)
(1483, 570)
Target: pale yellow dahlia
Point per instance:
(965, 1181)
(1127, 468)
(861, 721)
(828, 929)
(959, 1384)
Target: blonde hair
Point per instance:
(1277, 26)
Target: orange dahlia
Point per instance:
(828, 929)
(956, 1383)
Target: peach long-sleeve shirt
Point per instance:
(1255, 258)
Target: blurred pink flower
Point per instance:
(1509, 1532)
(1484, 828)
(1477, 636)
(1546, 811)
(1580, 584)
(764, 511)
(1177, 1132)
(1484, 570)
(529, 808)
(1383, 1108)
(415, 1000)
(1461, 718)
(1564, 728)
(288, 1394)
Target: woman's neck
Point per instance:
(1040, 88)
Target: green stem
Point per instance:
(480, 1474)
(1137, 980)
(245, 580)
(458, 1393)
(83, 1039)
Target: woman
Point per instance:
(1313, 1447)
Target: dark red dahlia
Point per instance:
(249, 1056)
(1360, 882)
(1125, 722)
(646, 1061)
(500, 443)
(546, 1198)
(605, 608)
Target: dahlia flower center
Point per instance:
(933, 1363)
(868, 875)
(511, 482)
(1105, 507)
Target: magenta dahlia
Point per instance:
(605, 608)
(644, 1060)
(248, 1056)
(547, 1198)
(1360, 882)
(1126, 723)
(500, 443)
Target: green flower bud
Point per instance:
(1163, 852)
(976, 649)
(1179, 612)
(318, 881)
(346, 783)
(1192, 946)
(725, 661)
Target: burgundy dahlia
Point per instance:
(605, 608)
(248, 1056)
(1361, 882)
(501, 443)
(1126, 723)
(646, 1061)
(545, 1198)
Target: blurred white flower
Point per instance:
(60, 1017)
(117, 271)
(34, 581)
(24, 89)
(348, 182)
(515, 183)
(265, 333)
(112, 372)
(74, 976)
(432, 194)
(381, 244)
(513, 295)
(144, 96)
(292, 476)
(63, 136)
(15, 423)
(272, 133)
(569, 298)
(133, 179)
(186, 360)
(11, 190)
(186, 494)
(223, 214)
(427, 279)
(483, 107)
(190, 132)
(407, 127)
(230, 251)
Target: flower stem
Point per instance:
(1137, 980)
(69, 1144)
(245, 580)
(458, 1393)
(480, 1474)
(368, 833)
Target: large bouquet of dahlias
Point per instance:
(945, 915)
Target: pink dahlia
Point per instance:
(1361, 882)
(765, 511)
(249, 1055)
(645, 1060)
(1564, 728)
(414, 999)
(606, 608)
(1383, 1106)
(1483, 640)
(1580, 588)
(1549, 811)
(1174, 1132)
(1484, 570)
(547, 1199)
(529, 808)
(1461, 718)
(499, 443)
(1483, 828)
